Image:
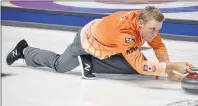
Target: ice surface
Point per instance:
(43, 87)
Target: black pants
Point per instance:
(116, 64)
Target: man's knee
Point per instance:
(62, 67)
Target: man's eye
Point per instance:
(153, 29)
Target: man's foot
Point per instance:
(87, 71)
(17, 52)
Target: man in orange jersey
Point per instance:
(121, 32)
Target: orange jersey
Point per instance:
(119, 33)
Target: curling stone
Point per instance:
(190, 83)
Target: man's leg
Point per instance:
(67, 61)
(115, 64)
(61, 63)
(37, 57)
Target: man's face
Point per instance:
(149, 29)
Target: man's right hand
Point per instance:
(176, 70)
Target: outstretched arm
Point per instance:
(159, 49)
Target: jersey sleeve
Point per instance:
(159, 49)
(126, 42)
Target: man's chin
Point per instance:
(146, 40)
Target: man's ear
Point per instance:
(141, 22)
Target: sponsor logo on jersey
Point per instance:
(150, 68)
(129, 40)
(131, 50)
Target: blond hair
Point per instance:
(150, 13)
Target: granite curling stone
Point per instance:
(190, 83)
